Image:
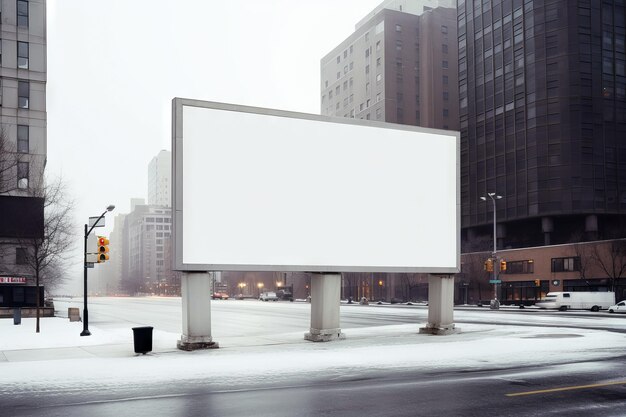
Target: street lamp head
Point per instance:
(483, 198)
(498, 197)
(111, 207)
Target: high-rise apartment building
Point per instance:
(543, 120)
(398, 66)
(160, 179)
(23, 145)
(146, 240)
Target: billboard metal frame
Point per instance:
(177, 193)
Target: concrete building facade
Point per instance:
(160, 179)
(147, 231)
(23, 140)
(398, 67)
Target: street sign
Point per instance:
(93, 220)
(92, 257)
(89, 264)
(495, 281)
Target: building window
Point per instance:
(445, 80)
(446, 112)
(338, 59)
(444, 29)
(22, 139)
(20, 256)
(378, 45)
(22, 13)
(22, 175)
(444, 48)
(444, 64)
(520, 267)
(22, 55)
(379, 78)
(339, 75)
(446, 96)
(23, 94)
(398, 28)
(566, 264)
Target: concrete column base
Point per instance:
(196, 343)
(324, 335)
(441, 331)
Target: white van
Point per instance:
(580, 300)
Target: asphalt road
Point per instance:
(266, 317)
(583, 389)
(595, 388)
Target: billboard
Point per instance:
(267, 190)
(21, 217)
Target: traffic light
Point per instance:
(537, 283)
(103, 249)
(489, 265)
(503, 265)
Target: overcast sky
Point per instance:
(114, 67)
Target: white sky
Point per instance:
(114, 66)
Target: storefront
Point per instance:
(15, 292)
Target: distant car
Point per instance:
(618, 308)
(219, 296)
(268, 296)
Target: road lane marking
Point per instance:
(545, 391)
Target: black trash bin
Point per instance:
(142, 337)
(17, 316)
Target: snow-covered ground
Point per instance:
(107, 359)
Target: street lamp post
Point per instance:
(494, 197)
(88, 230)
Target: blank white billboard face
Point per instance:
(259, 189)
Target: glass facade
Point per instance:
(542, 90)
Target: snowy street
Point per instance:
(264, 367)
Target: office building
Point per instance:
(543, 121)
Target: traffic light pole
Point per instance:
(86, 331)
(88, 230)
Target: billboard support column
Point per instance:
(195, 288)
(325, 293)
(440, 305)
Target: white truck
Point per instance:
(580, 300)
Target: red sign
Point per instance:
(12, 280)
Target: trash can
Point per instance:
(142, 337)
(17, 316)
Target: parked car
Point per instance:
(219, 296)
(618, 308)
(267, 296)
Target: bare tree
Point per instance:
(9, 159)
(586, 258)
(45, 256)
(473, 268)
(611, 258)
